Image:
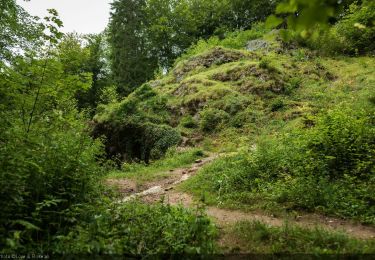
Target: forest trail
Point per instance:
(223, 218)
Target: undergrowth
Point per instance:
(140, 230)
(325, 165)
(258, 237)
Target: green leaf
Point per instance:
(290, 7)
(273, 21)
(11, 243)
(26, 224)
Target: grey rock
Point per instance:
(257, 45)
(155, 83)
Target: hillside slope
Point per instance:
(233, 95)
(295, 131)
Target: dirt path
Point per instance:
(224, 217)
(156, 189)
(165, 188)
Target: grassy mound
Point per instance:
(300, 123)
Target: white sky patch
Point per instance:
(81, 16)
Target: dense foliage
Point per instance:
(17, 29)
(50, 166)
(47, 159)
(328, 166)
(298, 126)
(341, 26)
(140, 230)
(136, 127)
(357, 29)
(148, 35)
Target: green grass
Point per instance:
(157, 170)
(258, 237)
(211, 182)
(317, 85)
(313, 85)
(270, 178)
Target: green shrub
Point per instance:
(352, 34)
(43, 178)
(211, 118)
(159, 138)
(250, 115)
(347, 197)
(233, 40)
(141, 106)
(108, 95)
(358, 28)
(239, 39)
(333, 166)
(292, 85)
(330, 166)
(222, 176)
(327, 167)
(277, 104)
(344, 141)
(239, 120)
(140, 230)
(264, 64)
(328, 42)
(138, 141)
(267, 65)
(300, 55)
(136, 127)
(232, 104)
(188, 122)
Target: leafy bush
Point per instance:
(143, 141)
(211, 118)
(352, 34)
(43, 178)
(136, 127)
(277, 104)
(140, 230)
(142, 105)
(343, 141)
(108, 95)
(357, 28)
(250, 115)
(239, 39)
(49, 165)
(336, 173)
(327, 167)
(160, 138)
(232, 104)
(188, 122)
(232, 40)
(267, 65)
(293, 84)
